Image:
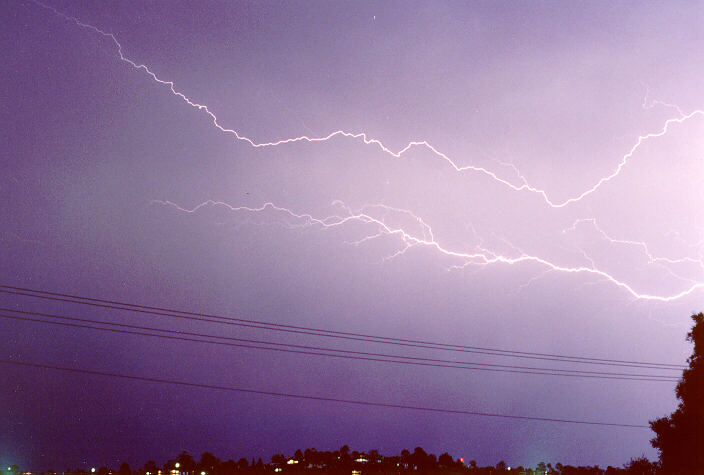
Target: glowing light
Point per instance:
(408, 241)
(367, 140)
(650, 256)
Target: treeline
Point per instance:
(345, 461)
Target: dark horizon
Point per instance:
(479, 224)
(342, 460)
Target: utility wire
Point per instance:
(339, 353)
(316, 398)
(112, 304)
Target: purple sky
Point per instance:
(553, 206)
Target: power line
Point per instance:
(316, 398)
(161, 311)
(339, 353)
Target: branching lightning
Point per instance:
(367, 140)
(409, 240)
(425, 237)
(652, 259)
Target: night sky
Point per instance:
(515, 176)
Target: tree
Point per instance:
(419, 459)
(374, 456)
(641, 465)
(187, 464)
(125, 469)
(445, 460)
(228, 466)
(680, 436)
(150, 468)
(209, 463)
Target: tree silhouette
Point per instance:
(641, 465)
(242, 464)
(209, 463)
(680, 436)
(187, 464)
(445, 460)
(150, 467)
(345, 457)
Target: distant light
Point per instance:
(202, 473)
(509, 468)
(177, 465)
(278, 469)
(92, 470)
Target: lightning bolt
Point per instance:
(652, 259)
(408, 240)
(425, 238)
(367, 140)
(651, 103)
